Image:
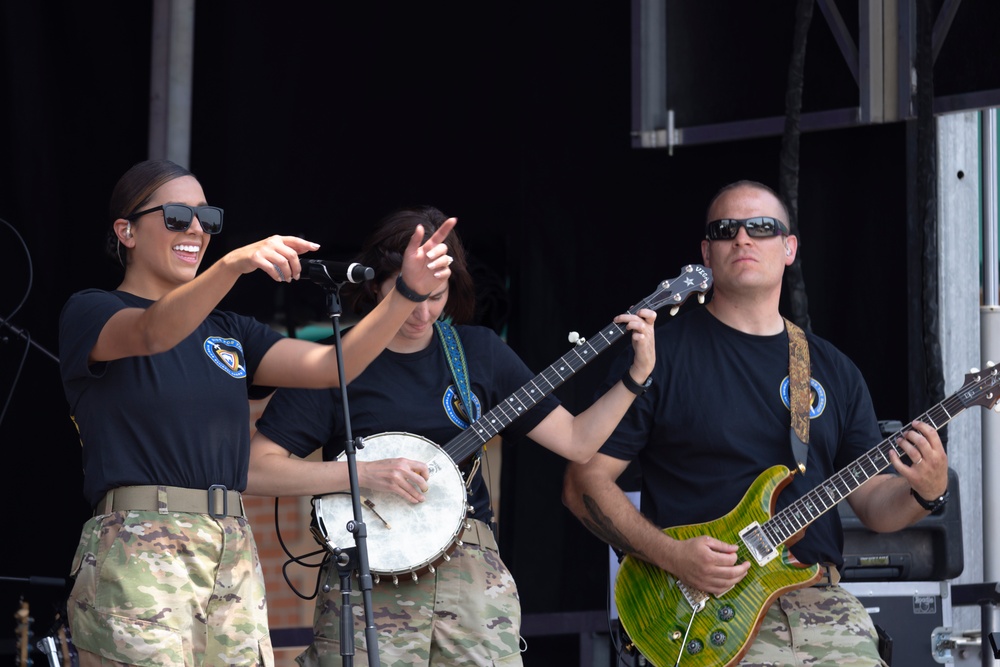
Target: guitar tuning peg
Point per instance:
(576, 339)
(973, 370)
(701, 298)
(990, 364)
(674, 310)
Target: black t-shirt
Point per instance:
(179, 418)
(410, 393)
(717, 416)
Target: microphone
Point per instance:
(325, 272)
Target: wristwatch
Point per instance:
(635, 387)
(931, 505)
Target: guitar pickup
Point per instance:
(757, 543)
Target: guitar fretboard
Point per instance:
(792, 519)
(504, 413)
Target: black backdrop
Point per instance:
(317, 119)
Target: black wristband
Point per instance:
(931, 505)
(635, 387)
(407, 293)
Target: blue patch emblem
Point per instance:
(817, 397)
(227, 353)
(453, 407)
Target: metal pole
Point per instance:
(990, 332)
(990, 615)
(170, 80)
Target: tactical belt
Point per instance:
(479, 534)
(217, 501)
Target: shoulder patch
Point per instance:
(227, 353)
(817, 397)
(453, 407)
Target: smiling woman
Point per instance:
(157, 379)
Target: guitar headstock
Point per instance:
(693, 279)
(982, 388)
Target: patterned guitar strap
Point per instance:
(799, 393)
(455, 354)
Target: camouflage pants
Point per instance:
(169, 590)
(467, 614)
(818, 627)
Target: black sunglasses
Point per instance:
(178, 217)
(728, 228)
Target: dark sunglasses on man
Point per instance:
(728, 228)
(178, 217)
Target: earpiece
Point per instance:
(788, 251)
(128, 230)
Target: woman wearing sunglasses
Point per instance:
(157, 380)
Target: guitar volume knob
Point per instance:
(726, 613)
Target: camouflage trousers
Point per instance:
(466, 614)
(822, 626)
(169, 590)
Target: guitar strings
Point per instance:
(789, 521)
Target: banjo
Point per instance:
(410, 539)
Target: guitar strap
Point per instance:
(799, 393)
(455, 354)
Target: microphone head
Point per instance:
(325, 272)
(358, 273)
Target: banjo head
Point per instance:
(403, 538)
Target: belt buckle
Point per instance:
(225, 501)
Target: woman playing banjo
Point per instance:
(463, 609)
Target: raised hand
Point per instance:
(642, 327)
(425, 265)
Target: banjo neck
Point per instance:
(694, 278)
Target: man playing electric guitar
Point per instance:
(715, 418)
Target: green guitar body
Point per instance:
(656, 614)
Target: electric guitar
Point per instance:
(408, 540)
(674, 624)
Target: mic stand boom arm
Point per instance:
(23, 335)
(350, 559)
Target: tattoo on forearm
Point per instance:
(600, 524)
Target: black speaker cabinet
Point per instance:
(929, 550)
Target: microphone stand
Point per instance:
(352, 558)
(22, 334)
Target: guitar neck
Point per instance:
(504, 413)
(802, 512)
